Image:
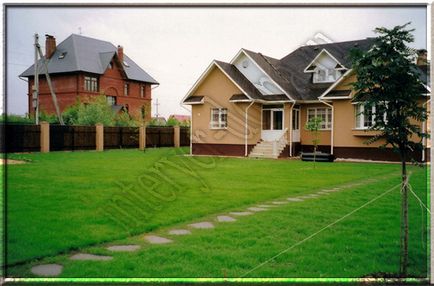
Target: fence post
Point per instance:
(45, 137)
(99, 137)
(142, 138)
(177, 136)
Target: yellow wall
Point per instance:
(218, 89)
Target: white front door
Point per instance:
(296, 125)
(272, 122)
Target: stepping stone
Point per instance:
(313, 196)
(225, 218)
(280, 203)
(256, 209)
(304, 197)
(154, 239)
(47, 269)
(241, 213)
(294, 199)
(127, 248)
(87, 256)
(266, 206)
(202, 225)
(179, 232)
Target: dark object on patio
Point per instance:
(320, 157)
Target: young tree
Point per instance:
(389, 87)
(313, 125)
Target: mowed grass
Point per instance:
(67, 201)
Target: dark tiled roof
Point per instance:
(88, 55)
(194, 99)
(236, 97)
(289, 74)
(275, 97)
(240, 79)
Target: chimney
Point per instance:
(421, 58)
(121, 54)
(50, 46)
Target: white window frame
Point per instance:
(91, 84)
(126, 89)
(221, 123)
(142, 90)
(111, 100)
(316, 79)
(359, 116)
(325, 125)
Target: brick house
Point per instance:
(81, 68)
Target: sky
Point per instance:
(176, 45)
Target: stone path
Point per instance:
(87, 256)
(179, 232)
(256, 209)
(202, 225)
(47, 269)
(225, 218)
(241, 213)
(154, 239)
(127, 248)
(56, 269)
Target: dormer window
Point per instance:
(326, 75)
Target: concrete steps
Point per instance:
(268, 149)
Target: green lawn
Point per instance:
(65, 201)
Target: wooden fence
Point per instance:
(31, 138)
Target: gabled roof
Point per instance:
(88, 55)
(312, 65)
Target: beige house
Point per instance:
(258, 106)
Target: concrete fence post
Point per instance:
(142, 138)
(99, 137)
(176, 136)
(45, 137)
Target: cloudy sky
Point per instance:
(175, 45)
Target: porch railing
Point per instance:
(279, 142)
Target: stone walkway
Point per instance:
(52, 270)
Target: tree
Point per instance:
(172, 122)
(389, 87)
(313, 125)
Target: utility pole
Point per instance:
(35, 98)
(50, 86)
(156, 108)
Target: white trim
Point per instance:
(202, 101)
(317, 56)
(203, 77)
(241, 100)
(220, 121)
(246, 129)
(259, 67)
(332, 131)
(344, 76)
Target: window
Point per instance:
(219, 118)
(90, 83)
(126, 89)
(326, 75)
(365, 117)
(295, 119)
(111, 100)
(142, 91)
(324, 113)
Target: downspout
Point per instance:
(423, 131)
(246, 129)
(290, 128)
(333, 124)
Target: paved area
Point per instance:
(241, 213)
(294, 199)
(256, 209)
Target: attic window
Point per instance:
(126, 64)
(62, 55)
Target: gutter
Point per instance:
(246, 128)
(333, 124)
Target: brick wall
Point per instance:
(70, 87)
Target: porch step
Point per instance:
(265, 149)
